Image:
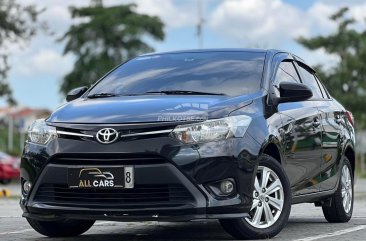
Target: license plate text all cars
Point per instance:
(101, 177)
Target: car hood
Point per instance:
(126, 109)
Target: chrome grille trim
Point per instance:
(122, 135)
(147, 133)
(73, 134)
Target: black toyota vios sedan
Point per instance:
(230, 134)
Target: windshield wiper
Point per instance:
(101, 95)
(165, 92)
(182, 92)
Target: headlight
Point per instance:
(40, 133)
(213, 130)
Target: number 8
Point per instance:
(128, 177)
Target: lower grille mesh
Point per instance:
(142, 195)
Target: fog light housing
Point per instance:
(227, 187)
(27, 185)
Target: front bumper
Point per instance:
(185, 201)
(176, 176)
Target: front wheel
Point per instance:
(341, 207)
(271, 204)
(64, 228)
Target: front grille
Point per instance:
(173, 195)
(107, 159)
(137, 132)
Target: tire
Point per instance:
(65, 228)
(337, 212)
(248, 228)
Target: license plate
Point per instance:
(101, 177)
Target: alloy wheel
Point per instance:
(346, 182)
(268, 199)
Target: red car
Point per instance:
(9, 168)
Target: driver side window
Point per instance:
(286, 72)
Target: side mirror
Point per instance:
(76, 93)
(292, 92)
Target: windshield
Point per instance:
(225, 73)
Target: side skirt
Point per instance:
(312, 197)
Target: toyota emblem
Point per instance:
(107, 135)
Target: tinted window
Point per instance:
(286, 72)
(322, 88)
(230, 73)
(309, 79)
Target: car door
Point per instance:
(334, 125)
(301, 136)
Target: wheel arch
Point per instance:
(272, 149)
(351, 156)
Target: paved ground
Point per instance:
(306, 224)
(13, 188)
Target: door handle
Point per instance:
(316, 122)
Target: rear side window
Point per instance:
(322, 88)
(309, 80)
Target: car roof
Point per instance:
(209, 50)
